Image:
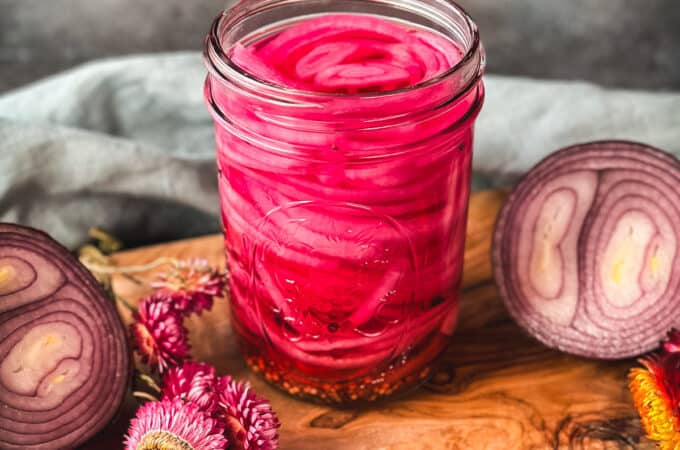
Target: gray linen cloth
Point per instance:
(127, 144)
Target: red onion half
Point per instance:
(64, 361)
(586, 251)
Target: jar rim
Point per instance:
(221, 65)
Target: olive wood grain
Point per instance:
(497, 388)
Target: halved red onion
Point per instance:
(64, 361)
(586, 251)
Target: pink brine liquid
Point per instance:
(345, 221)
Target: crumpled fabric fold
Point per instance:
(126, 144)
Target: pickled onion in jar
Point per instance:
(344, 207)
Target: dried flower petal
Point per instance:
(250, 422)
(672, 345)
(656, 393)
(193, 382)
(192, 285)
(174, 425)
(158, 333)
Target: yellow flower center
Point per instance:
(163, 440)
(657, 414)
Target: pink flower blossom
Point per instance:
(250, 422)
(174, 425)
(193, 382)
(159, 336)
(192, 285)
(672, 344)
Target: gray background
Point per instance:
(623, 43)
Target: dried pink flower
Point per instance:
(192, 285)
(250, 422)
(174, 425)
(193, 382)
(159, 336)
(672, 344)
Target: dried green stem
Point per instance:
(144, 396)
(106, 242)
(110, 269)
(149, 381)
(125, 303)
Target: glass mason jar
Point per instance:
(344, 214)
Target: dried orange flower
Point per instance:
(656, 393)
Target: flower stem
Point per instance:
(149, 381)
(125, 303)
(144, 396)
(105, 269)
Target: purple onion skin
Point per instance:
(64, 357)
(586, 250)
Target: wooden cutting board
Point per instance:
(497, 389)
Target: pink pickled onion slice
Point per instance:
(345, 53)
